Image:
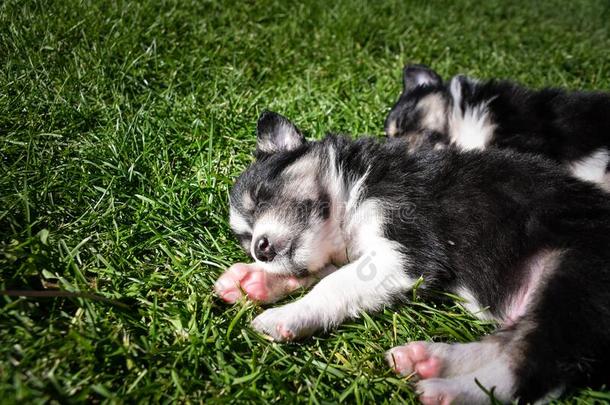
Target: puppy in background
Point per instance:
(518, 239)
(570, 128)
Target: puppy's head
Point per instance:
(420, 114)
(280, 209)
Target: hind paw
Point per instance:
(414, 359)
(436, 391)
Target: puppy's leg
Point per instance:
(260, 286)
(364, 285)
(423, 360)
(569, 341)
(562, 339)
(451, 373)
(505, 365)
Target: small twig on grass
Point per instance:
(60, 294)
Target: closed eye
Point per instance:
(261, 194)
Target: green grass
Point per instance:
(122, 127)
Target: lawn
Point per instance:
(122, 127)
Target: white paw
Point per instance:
(437, 391)
(285, 323)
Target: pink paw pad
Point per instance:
(254, 285)
(240, 276)
(414, 358)
(286, 333)
(429, 368)
(227, 285)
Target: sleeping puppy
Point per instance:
(522, 242)
(571, 128)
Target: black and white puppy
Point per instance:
(520, 240)
(571, 128)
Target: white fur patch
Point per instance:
(593, 167)
(301, 181)
(352, 204)
(334, 182)
(472, 127)
(434, 113)
(552, 395)
(303, 167)
(319, 246)
(392, 129)
(247, 201)
(363, 285)
(471, 304)
(237, 222)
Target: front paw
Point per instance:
(284, 323)
(255, 283)
(228, 285)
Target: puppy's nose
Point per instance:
(263, 249)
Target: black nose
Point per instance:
(263, 249)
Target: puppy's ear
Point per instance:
(419, 75)
(276, 133)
